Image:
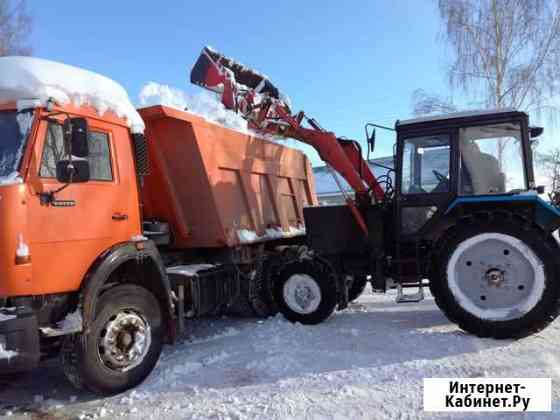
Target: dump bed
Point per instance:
(219, 187)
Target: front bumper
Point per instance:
(19, 336)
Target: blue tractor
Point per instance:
(459, 213)
(464, 218)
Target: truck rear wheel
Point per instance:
(497, 279)
(122, 346)
(305, 291)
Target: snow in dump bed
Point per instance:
(204, 104)
(24, 78)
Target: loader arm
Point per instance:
(253, 95)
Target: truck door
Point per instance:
(426, 180)
(85, 219)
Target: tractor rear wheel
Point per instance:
(305, 291)
(497, 278)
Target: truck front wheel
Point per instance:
(122, 346)
(305, 291)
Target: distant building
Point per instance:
(328, 191)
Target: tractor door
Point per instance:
(425, 179)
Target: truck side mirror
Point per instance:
(76, 135)
(74, 171)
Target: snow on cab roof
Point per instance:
(462, 114)
(30, 78)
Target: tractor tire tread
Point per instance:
(525, 227)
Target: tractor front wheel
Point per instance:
(305, 291)
(497, 279)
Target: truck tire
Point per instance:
(496, 278)
(305, 291)
(261, 294)
(123, 343)
(358, 285)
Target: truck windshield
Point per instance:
(14, 127)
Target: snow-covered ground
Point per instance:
(365, 362)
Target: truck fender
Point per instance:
(147, 262)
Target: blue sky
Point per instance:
(343, 62)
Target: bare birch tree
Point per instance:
(15, 28)
(550, 163)
(425, 103)
(505, 53)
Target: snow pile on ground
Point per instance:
(23, 78)
(364, 362)
(204, 104)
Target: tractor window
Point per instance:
(491, 159)
(425, 166)
(99, 155)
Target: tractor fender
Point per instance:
(545, 215)
(152, 275)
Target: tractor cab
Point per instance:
(441, 158)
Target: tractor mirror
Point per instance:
(535, 132)
(76, 135)
(74, 171)
(370, 138)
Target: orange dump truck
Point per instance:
(118, 225)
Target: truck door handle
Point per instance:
(119, 216)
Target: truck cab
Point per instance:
(69, 210)
(47, 216)
(118, 224)
(74, 263)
